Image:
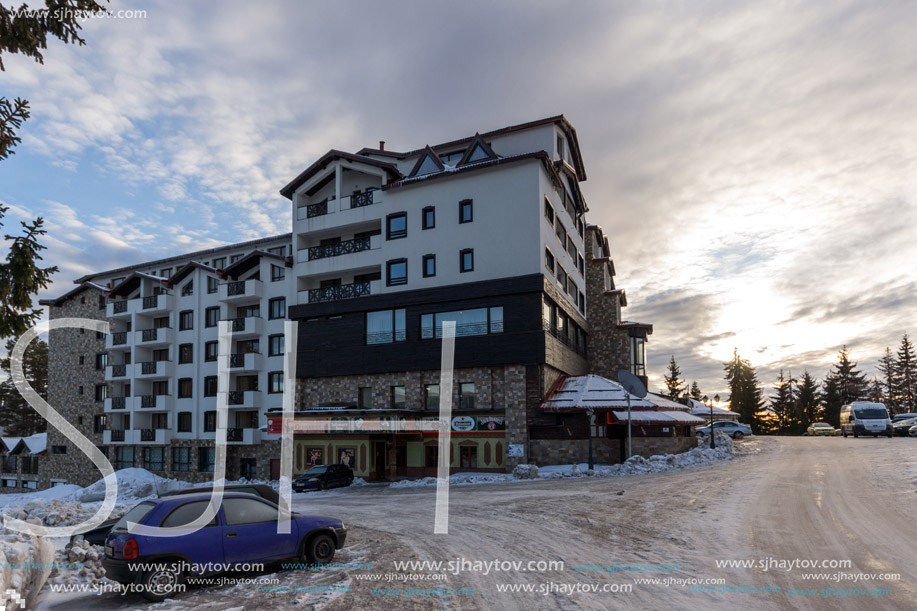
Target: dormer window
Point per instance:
(560, 147)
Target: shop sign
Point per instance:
(515, 449)
(491, 423)
(463, 423)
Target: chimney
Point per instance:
(382, 145)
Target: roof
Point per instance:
(479, 165)
(33, 444)
(665, 402)
(132, 281)
(590, 391)
(187, 269)
(327, 158)
(72, 293)
(250, 260)
(654, 417)
(699, 408)
(9, 443)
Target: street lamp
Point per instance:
(591, 415)
(716, 398)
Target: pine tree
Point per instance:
(889, 381)
(17, 418)
(782, 404)
(806, 400)
(831, 401)
(696, 394)
(673, 383)
(845, 384)
(745, 392)
(906, 372)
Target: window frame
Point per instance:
(431, 211)
(549, 212)
(184, 359)
(388, 272)
(183, 317)
(270, 308)
(462, 254)
(275, 383)
(428, 259)
(400, 233)
(463, 205)
(270, 344)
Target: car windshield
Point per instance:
(134, 515)
(871, 413)
(821, 425)
(317, 470)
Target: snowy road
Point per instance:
(790, 501)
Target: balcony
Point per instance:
(117, 340)
(154, 369)
(117, 436)
(243, 291)
(336, 293)
(115, 403)
(154, 337)
(154, 402)
(153, 436)
(244, 398)
(115, 371)
(236, 436)
(156, 304)
(248, 326)
(245, 362)
(349, 209)
(346, 255)
(121, 309)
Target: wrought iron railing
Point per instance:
(148, 367)
(237, 360)
(564, 338)
(118, 371)
(235, 288)
(234, 434)
(147, 434)
(149, 335)
(385, 337)
(319, 209)
(237, 397)
(148, 401)
(239, 324)
(119, 307)
(118, 402)
(150, 302)
(336, 293)
(117, 434)
(341, 248)
(361, 199)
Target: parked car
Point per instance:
(902, 427)
(822, 428)
(865, 418)
(900, 417)
(243, 531)
(736, 430)
(322, 477)
(99, 534)
(913, 431)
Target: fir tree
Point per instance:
(673, 382)
(17, 418)
(906, 373)
(889, 382)
(782, 405)
(696, 394)
(831, 401)
(806, 400)
(845, 384)
(745, 391)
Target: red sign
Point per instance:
(275, 425)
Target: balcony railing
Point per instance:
(565, 339)
(148, 367)
(119, 307)
(120, 338)
(150, 302)
(237, 360)
(238, 324)
(336, 293)
(147, 434)
(118, 402)
(118, 371)
(148, 401)
(117, 434)
(234, 434)
(318, 209)
(236, 397)
(361, 199)
(150, 335)
(235, 288)
(341, 248)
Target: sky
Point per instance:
(753, 163)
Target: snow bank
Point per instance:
(25, 563)
(525, 472)
(133, 483)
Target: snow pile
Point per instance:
(133, 484)
(525, 472)
(458, 479)
(57, 512)
(25, 563)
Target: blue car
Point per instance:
(243, 531)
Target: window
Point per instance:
(101, 392)
(396, 272)
(211, 351)
(212, 316)
(160, 322)
(205, 460)
(210, 386)
(184, 388)
(219, 263)
(365, 397)
(278, 272)
(638, 356)
(549, 260)
(124, 457)
(79, 390)
(186, 320)
(213, 285)
(582, 302)
(478, 321)
(560, 147)
(185, 353)
(240, 511)
(431, 396)
(154, 459)
(571, 249)
(581, 228)
(466, 260)
(581, 264)
(101, 361)
(398, 397)
(99, 423)
(386, 326)
(82, 360)
(248, 468)
(184, 422)
(571, 287)
(466, 211)
(181, 459)
(466, 395)
(396, 226)
(184, 515)
(429, 266)
(469, 457)
(431, 456)
(561, 234)
(279, 250)
(188, 289)
(277, 308)
(562, 277)
(549, 212)
(275, 382)
(160, 355)
(210, 421)
(429, 217)
(58, 449)
(100, 335)
(234, 258)
(275, 345)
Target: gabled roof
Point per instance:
(187, 269)
(83, 286)
(33, 444)
(250, 260)
(8, 443)
(591, 391)
(429, 154)
(329, 157)
(131, 282)
(450, 171)
(478, 144)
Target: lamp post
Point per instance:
(591, 415)
(716, 398)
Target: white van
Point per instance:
(865, 418)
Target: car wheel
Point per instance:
(856, 435)
(844, 433)
(738, 435)
(321, 485)
(162, 582)
(319, 548)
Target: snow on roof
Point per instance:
(582, 392)
(36, 443)
(658, 417)
(665, 402)
(699, 408)
(10, 442)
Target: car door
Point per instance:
(250, 532)
(203, 547)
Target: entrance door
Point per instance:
(379, 455)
